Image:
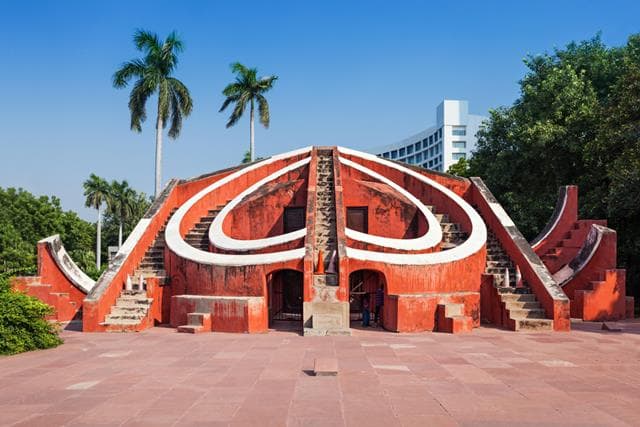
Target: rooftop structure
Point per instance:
(317, 237)
(452, 137)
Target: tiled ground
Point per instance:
(489, 377)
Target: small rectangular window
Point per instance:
(417, 145)
(394, 154)
(425, 165)
(401, 152)
(459, 144)
(410, 149)
(418, 157)
(430, 139)
(385, 155)
(458, 156)
(459, 130)
(410, 159)
(425, 142)
(439, 133)
(431, 152)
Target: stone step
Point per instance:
(519, 305)
(527, 313)
(534, 324)
(518, 297)
(111, 318)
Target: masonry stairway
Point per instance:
(452, 235)
(521, 307)
(132, 307)
(65, 309)
(567, 248)
(325, 227)
(329, 315)
(198, 236)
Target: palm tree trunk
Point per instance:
(251, 144)
(98, 239)
(120, 235)
(158, 183)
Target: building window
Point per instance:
(410, 159)
(425, 142)
(394, 154)
(439, 133)
(425, 165)
(459, 144)
(459, 130)
(418, 145)
(430, 139)
(385, 155)
(410, 149)
(418, 157)
(437, 149)
(431, 151)
(402, 152)
(458, 156)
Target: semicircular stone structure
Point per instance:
(320, 239)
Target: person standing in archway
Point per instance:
(366, 313)
(379, 306)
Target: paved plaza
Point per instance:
(489, 377)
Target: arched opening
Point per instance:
(367, 290)
(284, 299)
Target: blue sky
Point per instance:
(353, 73)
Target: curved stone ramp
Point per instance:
(431, 238)
(474, 243)
(182, 249)
(67, 267)
(596, 288)
(60, 282)
(542, 285)
(565, 214)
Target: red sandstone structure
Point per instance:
(309, 235)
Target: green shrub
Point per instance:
(23, 326)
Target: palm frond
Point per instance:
(229, 100)
(146, 41)
(164, 99)
(176, 116)
(232, 89)
(241, 104)
(137, 104)
(263, 110)
(182, 94)
(128, 70)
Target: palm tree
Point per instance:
(248, 88)
(97, 192)
(121, 204)
(153, 74)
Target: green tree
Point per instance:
(576, 121)
(460, 168)
(97, 192)
(248, 89)
(153, 74)
(25, 219)
(121, 203)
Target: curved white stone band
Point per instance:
(473, 244)
(218, 237)
(69, 268)
(177, 244)
(432, 237)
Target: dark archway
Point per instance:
(364, 285)
(284, 299)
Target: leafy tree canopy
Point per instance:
(577, 121)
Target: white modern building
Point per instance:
(452, 137)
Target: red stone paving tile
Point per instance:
(46, 420)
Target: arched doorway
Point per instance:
(369, 286)
(284, 298)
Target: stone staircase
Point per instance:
(198, 236)
(132, 307)
(521, 307)
(450, 318)
(452, 235)
(65, 308)
(325, 226)
(129, 314)
(328, 315)
(196, 323)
